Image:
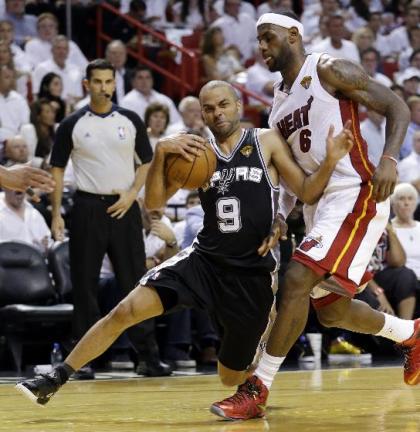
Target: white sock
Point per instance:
(396, 329)
(268, 366)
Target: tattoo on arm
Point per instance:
(349, 75)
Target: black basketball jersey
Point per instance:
(239, 204)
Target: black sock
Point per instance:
(64, 371)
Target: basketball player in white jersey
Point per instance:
(344, 227)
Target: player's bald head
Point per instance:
(211, 86)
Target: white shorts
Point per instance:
(342, 232)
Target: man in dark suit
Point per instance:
(116, 54)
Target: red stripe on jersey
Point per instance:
(325, 301)
(358, 154)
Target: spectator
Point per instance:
(363, 38)
(191, 13)
(218, 63)
(14, 110)
(156, 119)
(20, 59)
(404, 201)
(238, 28)
(399, 38)
(38, 49)
(20, 221)
(373, 131)
(274, 6)
(335, 44)
(43, 118)
(51, 88)
(405, 56)
(370, 59)
(260, 80)
(116, 54)
(20, 77)
(143, 95)
(16, 150)
(409, 168)
(156, 12)
(393, 284)
(375, 24)
(414, 125)
(409, 80)
(312, 16)
(23, 24)
(123, 30)
(192, 121)
(244, 7)
(70, 74)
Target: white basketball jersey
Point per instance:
(303, 118)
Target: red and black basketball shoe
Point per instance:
(248, 402)
(411, 350)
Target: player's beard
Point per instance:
(226, 132)
(283, 60)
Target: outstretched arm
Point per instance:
(158, 188)
(308, 188)
(343, 77)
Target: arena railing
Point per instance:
(183, 75)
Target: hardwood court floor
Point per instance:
(345, 400)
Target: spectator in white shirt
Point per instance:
(404, 201)
(413, 103)
(373, 131)
(274, 6)
(38, 49)
(381, 42)
(370, 59)
(409, 168)
(70, 74)
(14, 110)
(238, 28)
(260, 80)
(244, 7)
(20, 221)
(399, 40)
(24, 25)
(335, 45)
(20, 59)
(143, 95)
(405, 56)
(312, 15)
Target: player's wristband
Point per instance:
(385, 156)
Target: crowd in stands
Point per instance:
(41, 73)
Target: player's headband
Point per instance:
(280, 20)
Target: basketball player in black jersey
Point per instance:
(230, 268)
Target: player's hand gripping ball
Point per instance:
(191, 174)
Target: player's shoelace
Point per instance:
(244, 392)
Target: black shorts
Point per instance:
(238, 300)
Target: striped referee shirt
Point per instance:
(102, 147)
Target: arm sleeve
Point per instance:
(143, 148)
(287, 201)
(63, 142)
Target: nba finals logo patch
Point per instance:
(309, 242)
(205, 187)
(121, 132)
(306, 82)
(247, 150)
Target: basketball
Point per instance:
(194, 174)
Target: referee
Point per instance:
(104, 142)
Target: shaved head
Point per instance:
(211, 85)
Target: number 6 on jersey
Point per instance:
(228, 212)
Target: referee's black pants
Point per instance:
(94, 233)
